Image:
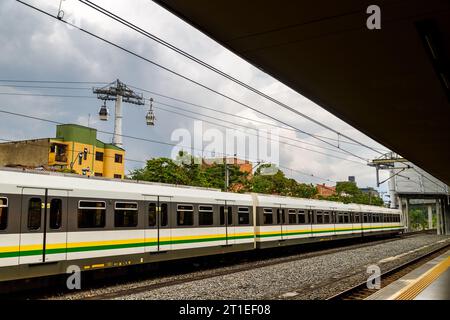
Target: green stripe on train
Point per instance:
(154, 243)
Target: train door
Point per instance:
(158, 235)
(43, 230)
(281, 220)
(227, 221)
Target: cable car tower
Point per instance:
(119, 92)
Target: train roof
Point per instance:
(16, 181)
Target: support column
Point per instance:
(117, 138)
(438, 217)
(446, 215)
(430, 217)
(408, 221)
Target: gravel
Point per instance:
(315, 277)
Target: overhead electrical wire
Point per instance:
(212, 68)
(181, 101)
(162, 143)
(181, 75)
(187, 116)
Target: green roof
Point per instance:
(81, 134)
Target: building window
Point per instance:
(99, 156)
(3, 213)
(185, 215)
(98, 174)
(205, 215)
(117, 176)
(55, 213)
(268, 216)
(118, 158)
(126, 214)
(91, 214)
(34, 213)
(243, 215)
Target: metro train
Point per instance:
(50, 221)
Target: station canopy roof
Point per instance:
(392, 84)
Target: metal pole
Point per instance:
(392, 193)
(408, 226)
(117, 138)
(438, 217)
(430, 217)
(227, 175)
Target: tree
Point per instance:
(162, 170)
(279, 184)
(418, 219)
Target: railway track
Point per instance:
(360, 291)
(235, 269)
(191, 270)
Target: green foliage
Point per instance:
(187, 170)
(418, 219)
(279, 184)
(347, 187)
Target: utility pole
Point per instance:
(227, 173)
(119, 92)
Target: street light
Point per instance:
(103, 112)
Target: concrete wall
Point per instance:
(29, 153)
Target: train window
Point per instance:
(91, 214)
(34, 213)
(347, 217)
(3, 213)
(340, 217)
(152, 214)
(281, 217)
(205, 215)
(356, 217)
(243, 215)
(229, 215)
(319, 217)
(365, 217)
(164, 214)
(301, 216)
(125, 214)
(55, 213)
(268, 216)
(326, 217)
(185, 215)
(292, 216)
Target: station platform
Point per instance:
(431, 281)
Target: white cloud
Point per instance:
(41, 48)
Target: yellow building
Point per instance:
(75, 148)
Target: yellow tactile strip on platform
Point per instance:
(413, 290)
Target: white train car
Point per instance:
(50, 221)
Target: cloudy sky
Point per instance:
(37, 47)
